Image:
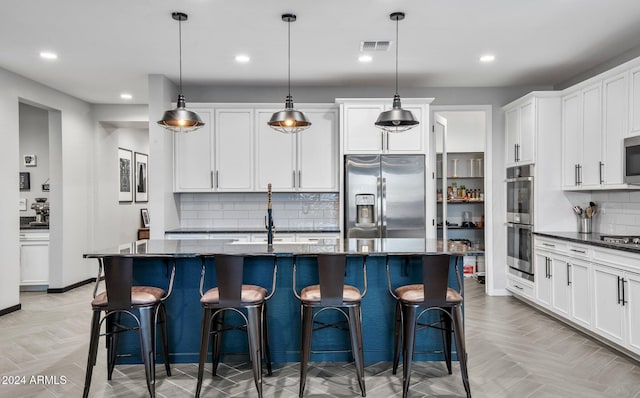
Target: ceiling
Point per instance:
(109, 47)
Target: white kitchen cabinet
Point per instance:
(316, 236)
(543, 282)
(193, 161)
(632, 292)
(34, 259)
(360, 135)
(615, 128)
(521, 287)
(571, 139)
(608, 309)
(520, 125)
(580, 292)
(277, 237)
(307, 161)
(233, 147)
(561, 288)
(634, 98)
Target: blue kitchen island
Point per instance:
(185, 312)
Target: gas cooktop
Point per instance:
(622, 239)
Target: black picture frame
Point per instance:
(125, 170)
(25, 181)
(144, 214)
(141, 189)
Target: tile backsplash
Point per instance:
(248, 210)
(619, 212)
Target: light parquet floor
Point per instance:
(514, 352)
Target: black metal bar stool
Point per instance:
(432, 294)
(331, 293)
(231, 294)
(120, 297)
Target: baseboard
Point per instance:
(11, 309)
(73, 286)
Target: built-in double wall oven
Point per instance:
(520, 221)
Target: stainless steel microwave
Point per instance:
(632, 160)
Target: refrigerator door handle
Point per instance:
(379, 206)
(384, 207)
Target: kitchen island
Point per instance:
(185, 312)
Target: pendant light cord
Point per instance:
(289, 56)
(397, 56)
(180, 50)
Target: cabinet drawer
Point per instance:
(520, 287)
(579, 251)
(552, 245)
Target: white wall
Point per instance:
(34, 140)
(462, 131)
(70, 148)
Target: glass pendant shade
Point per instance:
(180, 119)
(289, 120)
(396, 120)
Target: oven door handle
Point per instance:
(521, 226)
(517, 179)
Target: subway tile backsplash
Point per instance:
(619, 212)
(248, 210)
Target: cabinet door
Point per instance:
(233, 150)
(591, 135)
(359, 132)
(543, 279)
(634, 98)
(616, 111)
(512, 128)
(580, 293)
(34, 263)
(526, 148)
(571, 139)
(608, 312)
(318, 152)
(275, 155)
(412, 141)
(193, 157)
(632, 295)
(560, 285)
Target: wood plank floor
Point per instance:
(514, 350)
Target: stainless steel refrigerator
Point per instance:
(384, 196)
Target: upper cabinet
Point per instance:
(595, 121)
(520, 126)
(634, 114)
(307, 161)
(360, 135)
(236, 151)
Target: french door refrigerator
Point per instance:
(385, 196)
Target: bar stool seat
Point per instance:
(249, 294)
(415, 294)
(140, 295)
(312, 294)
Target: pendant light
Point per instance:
(289, 120)
(180, 119)
(396, 119)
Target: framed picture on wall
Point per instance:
(141, 171)
(125, 164)
(25, 181)
(30, 160)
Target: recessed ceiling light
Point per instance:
(488, 58)
(126, 96)
(365, 58)
(48, 55)
(243, 59)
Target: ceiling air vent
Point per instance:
(381, 45)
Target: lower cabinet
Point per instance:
(34, 260)
(632, 291)
(580, 292)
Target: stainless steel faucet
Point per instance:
(269, 220)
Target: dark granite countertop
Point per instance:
(594, 239)
(34, 227)
(248, 230)
(196, 247)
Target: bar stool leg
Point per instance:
(162, 314)
(397, 337)
(305, 349)
(355, 332)
(446, 337)
(112, 321)
(204, 342)
(254, 332)
(93, 351)
(409, 334)
(461, 348)
(265, 339)
(216, 341)
(147, 337)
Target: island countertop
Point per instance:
(186, 248)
